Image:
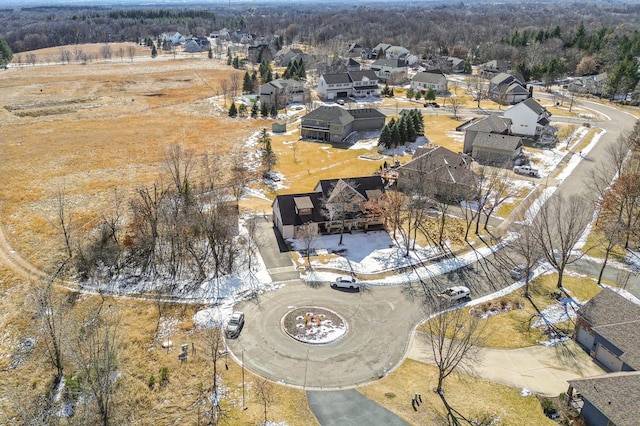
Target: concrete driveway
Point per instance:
(542, 370)
(380, 321)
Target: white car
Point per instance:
(526, 170)
(345, 282)
(455, 293)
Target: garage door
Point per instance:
(608, 359)
(585, 338)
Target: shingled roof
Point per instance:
(490, 124)
(497, 141)
(615, 395)
(617, 319)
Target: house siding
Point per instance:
(592, 416)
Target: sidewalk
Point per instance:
(543, 370)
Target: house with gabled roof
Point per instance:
(507, 89)
(426, 80)
(496, 149)
(359, 201)
(442, 173)
(528, 118)
(608, 399)
(352, 83)
(493, 67)
(608, 327)
(492, 123)
(334, 123)
(282, 92)
(390, 68)
(286, 55)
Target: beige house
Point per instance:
(441, 173)
(426, 80)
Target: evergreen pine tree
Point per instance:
(264, 110)
(247, 87)
(274, 111)
(402, 130)
(210, 55)
(154, 51)
(270, 76)
(418, 122)
(411, 128)
(254, 110)
(385, 137)
(233, 111)
(395, 135)
(236, 62)
(5, 53)
(229, 58)
(302, 73)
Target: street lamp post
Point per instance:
(243, 405)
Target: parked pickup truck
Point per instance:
(525, 170)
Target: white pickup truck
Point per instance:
(525, 170)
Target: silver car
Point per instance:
(345, 282)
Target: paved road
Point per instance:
(380, 322)
(349, 408)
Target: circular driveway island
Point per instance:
(380, 321)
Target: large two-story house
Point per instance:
(335, 205)
(352, 83)
(387, 69)
(528, 118)
(507, 89)
(426, 80)
(282, 92)
(334, 124)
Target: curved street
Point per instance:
(381, 320)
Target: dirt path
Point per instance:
(13, 261)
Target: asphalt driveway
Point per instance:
(349, 408)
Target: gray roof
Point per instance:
(534, 106)
(614, 395)
(339, 114)
(441, 164)
(339, 78)
(504, 78)
(516, 88)
(329, 114)
(490, 124)
(392, 63)
(617, 319)
(365, 185)
(360, 75)
(429, 77)
(497, 141)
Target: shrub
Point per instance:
(547, 407)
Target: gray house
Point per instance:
(507, 89)
(490, 124)
(608, 327)
(496, 149)
(609, 399)
(334, 124)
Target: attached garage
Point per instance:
(585, 338)
(608, 358)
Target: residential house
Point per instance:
(490, 124)
(352, 83)
(368, 53)
(335, 205)
(496, 149)
(223, 34)
(386, 69)
(595, 85)
(609, 399)
(391, 52)
(334, 124)
(197, 45)
(493, 67)
(257, 53)
(608, 327)
(282, 92)
(528, 118)
(354, 50)
(286, 55)
(426, 80)
(442, 173)
(353, 65)
(453, 65)
(175, 38)
(506, 89)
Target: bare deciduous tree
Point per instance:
(265, 394)
(557, 229)
(455, 338)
